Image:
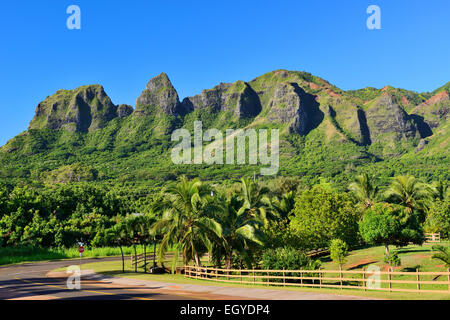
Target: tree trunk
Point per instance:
(386, 250)
(123, 260)
(197, 260)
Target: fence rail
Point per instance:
(433, 237)
(392, 281)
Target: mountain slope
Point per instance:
(325, 131)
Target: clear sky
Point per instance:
(122, 44)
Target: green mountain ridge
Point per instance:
(325, 131)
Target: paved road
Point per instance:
(29, 281)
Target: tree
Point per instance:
(338, 252)
(438, 217)
(440, 190)
(389, 224)
(322, 214)
(364, 191)
(411, 193)
(239, 231)
(255, 200)
(284, 206)
(118, 234)
(185, 222)
(443, 254)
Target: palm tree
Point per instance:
(440, 190)
(409, 192)
(364, 191)
(443, 254)
(119, 235)
(184, 223)
(256, 204)
(282, 207)
(239, 230)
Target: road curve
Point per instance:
(28, 281)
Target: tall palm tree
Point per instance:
(443, 254)
(409, 192)
(256, 203)
(239, 230)
(185, 222)
(364, 190)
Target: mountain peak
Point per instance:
(159, 92)
(83, 109)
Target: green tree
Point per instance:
(411, 193)
(338, 252)
(284, 206)
(364, 190)
(256, 202)
(438, 217)
(185, 223)
(322, 214)
(389, 224)
(239, 231)
(443, 254)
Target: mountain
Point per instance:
(325, 131)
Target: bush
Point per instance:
(393, 259)
(288, 258)
(284, 258)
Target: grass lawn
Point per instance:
(411, 256)
(14, 255)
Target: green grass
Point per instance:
(14, 255)
(412, 257)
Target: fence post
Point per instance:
(284, 280)
(255, 280)
(320, 279)
(418, 279)
(301, 278)
(340, 277)
(448, 277)
(389, 279)
(240, 274)
(364, 278)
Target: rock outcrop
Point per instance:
(84, 109)
(159, 95)
(237, 98)
(385, 116)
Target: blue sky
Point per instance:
(122, 44)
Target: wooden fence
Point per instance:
(437, 282)
(433, 237)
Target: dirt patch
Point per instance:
(362, 262)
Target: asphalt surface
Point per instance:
(29, 282)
